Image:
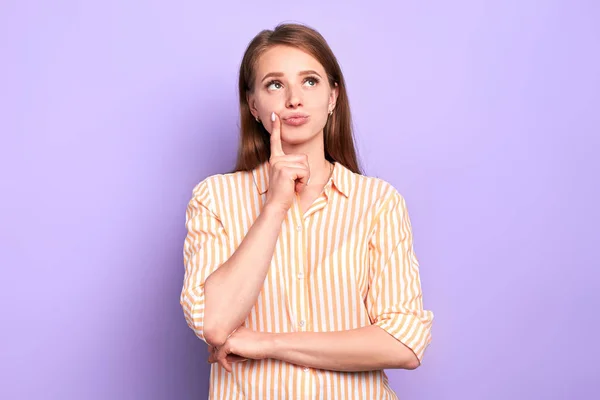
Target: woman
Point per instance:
(300, 271)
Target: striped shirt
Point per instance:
(348, 262)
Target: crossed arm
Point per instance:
(218, 296)
(362, 349)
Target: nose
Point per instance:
(294, 98)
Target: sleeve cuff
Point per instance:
(413, 330)
(192, 302)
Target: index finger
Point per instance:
(276, 149)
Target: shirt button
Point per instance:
(302, 323)
(300, 275)
(305, 369)
(299, 228)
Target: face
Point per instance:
(294, 85)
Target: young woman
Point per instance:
(300, 271)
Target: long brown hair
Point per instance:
(254, 146)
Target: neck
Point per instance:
(320, 168)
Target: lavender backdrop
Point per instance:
(485, 115)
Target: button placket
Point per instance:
(302, 322)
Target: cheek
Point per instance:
(319, 113)
(317, 101)
(268, 104)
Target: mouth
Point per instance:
(295, 120)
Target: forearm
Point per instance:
(231, 291)
(363, 349)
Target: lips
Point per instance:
(295, 120)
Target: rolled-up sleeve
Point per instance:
(205, 249)
(395, 300)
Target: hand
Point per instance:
(243, 344)
(231, 358)
(289, 172)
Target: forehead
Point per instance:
(286, 59)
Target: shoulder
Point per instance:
(216, 181)
(377, 191)
(386, 206)
(213, 188)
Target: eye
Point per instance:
(311, 81)
(274, 85)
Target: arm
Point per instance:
(231, 291)
(219, 292)
(363, 349)
(395, 300)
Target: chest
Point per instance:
(325, 242)
(307, 198)
(325, 236)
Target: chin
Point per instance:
(299, 135)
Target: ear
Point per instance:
(333, 96)
(252, 104)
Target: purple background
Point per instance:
(485, 115)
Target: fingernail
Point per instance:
(273, 116)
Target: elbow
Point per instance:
(411, 363)
(406, 358)
(214, 335)
(215, 338)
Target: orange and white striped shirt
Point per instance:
(348, 262)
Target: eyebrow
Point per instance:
(280, 74)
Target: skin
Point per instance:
(298, 168)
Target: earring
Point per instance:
(257, 120)
(330, 112)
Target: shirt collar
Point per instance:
(341, 178)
